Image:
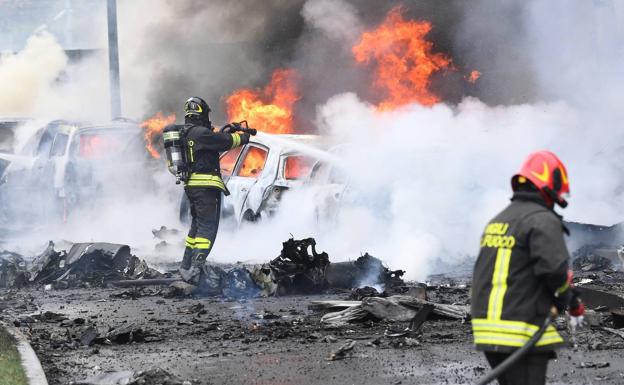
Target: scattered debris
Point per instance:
(181, 289)
(618, 317)
(416, 322)
(342, 351)
(88, 336)
(166, 234)
(597, 365)
(363, 292)
(591, 262)
(123, 335)
(12, 270)
(127, 377)
(396, 308)
(595, 298)
(296, 271)
(86, 264)
(364, 271)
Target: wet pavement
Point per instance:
(274, 340)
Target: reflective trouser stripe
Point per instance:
(510, 333)
(236, 140)
(499, 284)
(202, 243)
(190, 242)
(206, 180)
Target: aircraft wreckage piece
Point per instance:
(299, 269)
(84, 264)
(396, 308)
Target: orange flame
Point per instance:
(298, 166)
(270, 109)
(403, 59)
(153, 127)
(474, 76)
(253, 163)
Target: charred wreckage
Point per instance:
(334, 310)
(299, 269)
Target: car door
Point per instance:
(247, 172)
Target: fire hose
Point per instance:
(517, 355)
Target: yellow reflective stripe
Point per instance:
(191, 155)
(171, 135)
(206, 183)
(499, 284)
(236, 140)
(202, 243)
(563, 288)
(205, 177)
(205, 180)
(517, 326)
(190, 240)
(514, 340)
(510, 333)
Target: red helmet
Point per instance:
(546, 171)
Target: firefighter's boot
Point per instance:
(187, 265)
(192, 275)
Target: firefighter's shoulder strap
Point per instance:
(188, 142)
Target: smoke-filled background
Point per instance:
(429, 177)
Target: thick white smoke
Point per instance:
(28, 76)
(428, 179)
(424, 180)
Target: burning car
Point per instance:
(65, 164)
(259, 173)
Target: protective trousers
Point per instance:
(529, 370)
(205, 206)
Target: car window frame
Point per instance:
(236, 161)
(284, 160)
(243, 155)
(53, 153)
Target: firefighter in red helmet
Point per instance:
(522, 272)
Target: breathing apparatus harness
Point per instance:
(177, 151)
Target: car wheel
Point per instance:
(250, 217)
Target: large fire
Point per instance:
(253, 163)
(403, 60)
(153, 127)
(270, 109)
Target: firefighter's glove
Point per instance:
(228, 129)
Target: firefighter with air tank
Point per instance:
(521, 275)
(193, 151)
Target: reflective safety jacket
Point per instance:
(204, 146)
(521, 269)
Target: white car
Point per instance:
(65, 164)
(258, 173)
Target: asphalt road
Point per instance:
(262, 341)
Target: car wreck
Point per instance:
(259, 173)
(66, 165)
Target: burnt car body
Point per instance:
(259, 173)
(7, 134)
(63, 165)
